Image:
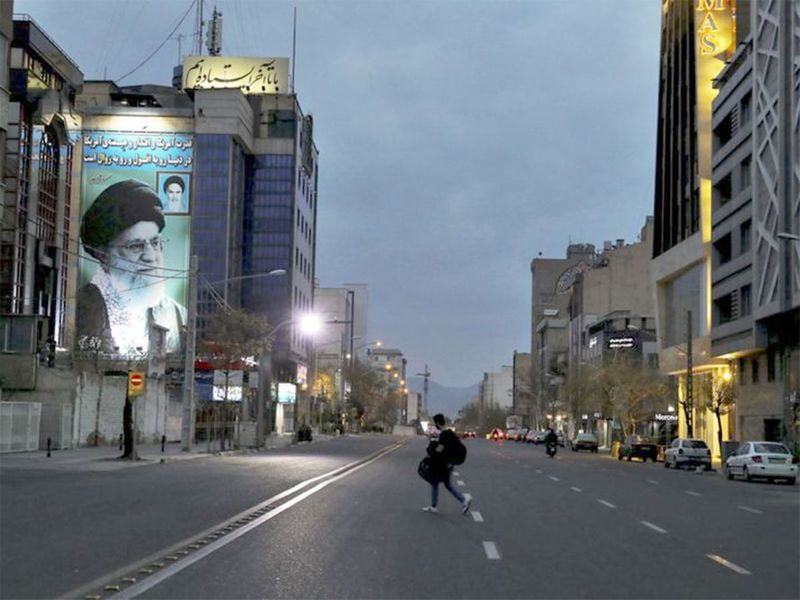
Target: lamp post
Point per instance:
(187, 424)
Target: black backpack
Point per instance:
(455, 450)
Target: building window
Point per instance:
(742, 365)
(754, 370)
(772, 430)
(745, 110)
(722, 249)
(722, 190)
(723, 132)
(723, 309)
(770, 365)
(744, 236)
(744, 301)
(745, 175)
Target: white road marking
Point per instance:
(461, 483)
(653, 481)
(729, 564)
(491, 551)
(608, 504)
(477, 516)
(468, 497)
(653, 527)
(691, 493)
(553, 478)
(340, 473)
(579, 490)
(752, 510)
(456, 473)
(539, 471)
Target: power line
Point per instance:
(161, 45)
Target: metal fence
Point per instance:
(19, 426)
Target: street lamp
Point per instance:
(187, 425)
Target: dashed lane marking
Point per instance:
(477, 516)
(653, 481)
(729, 564)
(755, 511)
(653, 527)
(539, 471)
(606, 503)
(554, 478)
(491, 550)
(456, 473)
(468, 497)
(460, 483)
(576, 489)
(691, 493)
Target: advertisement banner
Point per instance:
(135, 234)
(287, 393)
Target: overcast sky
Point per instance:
(457, 141)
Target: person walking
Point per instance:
(437, 451)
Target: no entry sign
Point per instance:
(135, 383)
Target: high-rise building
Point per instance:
(755, 263)
(40, 128)
(696, 40)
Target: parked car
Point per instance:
(535, 437)
(762, 459)
(584, 441)
(686, 451)
(468, 433)
(638, 446)
(562, 439)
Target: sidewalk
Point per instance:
(106, 458)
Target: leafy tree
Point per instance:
(367, 390)
(721, 400)
(632, 391)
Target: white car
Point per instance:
(762, 459)
(686, 451)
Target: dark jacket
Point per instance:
(551, 439)
(437, 450)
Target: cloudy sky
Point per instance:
(458, 139)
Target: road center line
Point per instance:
(553, 478)
(691, 493)
(491, 551)
(456, 473)
(468, 497)
(175, 568)
(729, 564)
(604, 502)
(575, 489)
(653, 481)
(539, 471)
(653, 527)
(755, 511)
(477, 516)
(460, 483)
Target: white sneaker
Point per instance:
(431, 509)
(466, 505)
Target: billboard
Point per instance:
(287, 393)
(135, 234)
(249, 74)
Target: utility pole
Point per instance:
(426, 376)
(187, 423)
(688, 406)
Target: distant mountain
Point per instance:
(443, 399)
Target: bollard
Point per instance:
(163, 442)
(49, 444)
(120, 441)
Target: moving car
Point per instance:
(469, 433)
(496, 434)
(686, 451)
(517, 434)
(584, 441)
(638, 446)
(762, 459)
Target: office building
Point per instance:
(755, 263)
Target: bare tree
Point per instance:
(721, 400)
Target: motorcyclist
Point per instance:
(551, 441)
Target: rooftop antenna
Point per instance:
(214, 34)
(198, 29)
(180, 37)
(294, 47)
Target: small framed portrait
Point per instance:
(173, 189)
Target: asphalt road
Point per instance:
(577, 526)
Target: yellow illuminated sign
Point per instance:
(251, 75)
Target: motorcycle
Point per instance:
(551, 448)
